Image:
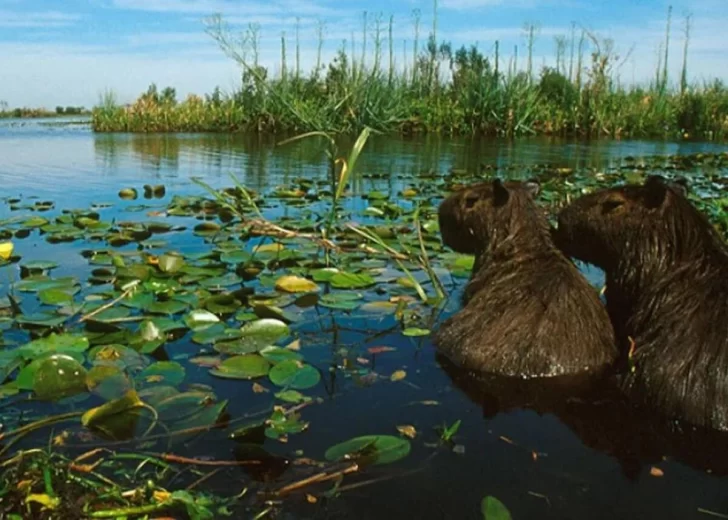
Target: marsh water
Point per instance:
(552, 460)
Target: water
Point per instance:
(550, 458)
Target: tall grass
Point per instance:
(436, 89)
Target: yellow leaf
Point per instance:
(6, 250)
(295, 284)
(311, 499)
(407, 431)
(126, 402)
(398, 375)
(161, 496)
(46, 501)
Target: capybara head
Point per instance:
(610, 225)
(475, 217)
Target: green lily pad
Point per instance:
(277, 354)
(58, 343)
(246, 366)
(494, 509)
(59, 376)
(292, 396)
(261, 333)
(163, 372)
(294, 374)
(344, 280)
(370, 449)
(414, 332)
(42, 319)
(200, 319)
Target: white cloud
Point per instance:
(27, 20)
(239, 8)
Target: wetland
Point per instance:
(179, 337)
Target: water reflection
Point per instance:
(594, 409)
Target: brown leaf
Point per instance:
(379, 350)
(656, 472)
(259, 389)
(294, 345)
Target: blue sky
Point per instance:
(67, 53)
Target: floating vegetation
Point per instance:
(185, 379)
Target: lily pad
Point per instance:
(370, 449)
(494, 509)
(294, 374)
(345, 280)
(163, 372)
(247, 366)
(296, 284)
(59, 376)
(260, 333)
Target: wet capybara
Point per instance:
(528, 311)
(666, 272)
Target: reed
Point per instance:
(437, 89)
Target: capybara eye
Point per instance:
(470, 201)
(610, 205)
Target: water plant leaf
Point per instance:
(344, 280)
(292, 396)
(109, 382)
(370, 449)
(414, 332)
(169, 307)
(291, 373)
(277, 354)
(200, 319)
(42, 319)
(55, 297)
(58, 376)
(296, 284)
(261, 333)
(94, 416)
(246, 366)
(163, 372)
(271, 311)
(170, 263)
(494, 509)
(65, 343)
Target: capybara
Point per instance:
(666, 272)
(528, 311)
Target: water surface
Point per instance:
(544, 459)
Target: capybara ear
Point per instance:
(500, 193)
(533, 187)
(681, 185)
(655, 191)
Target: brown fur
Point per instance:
(667, 289)
(528, 311)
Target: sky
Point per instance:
(69, 53)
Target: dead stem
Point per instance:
(203, 478)
(314, 479)
(113, 302)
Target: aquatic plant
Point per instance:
(438, 89)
